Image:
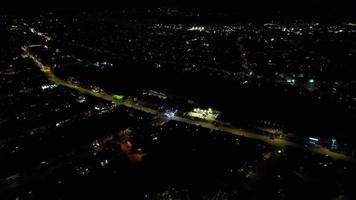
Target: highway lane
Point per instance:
(278, 142)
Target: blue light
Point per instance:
(171, 114)
(333, 143)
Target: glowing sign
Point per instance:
(118, 97)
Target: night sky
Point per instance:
(341, 9)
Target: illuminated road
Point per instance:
(278, 142)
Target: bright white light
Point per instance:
(291, 81)
(171, 114)
(196, 28)
(314, 139)
(48, 86)
(207, 114)
(311, 81)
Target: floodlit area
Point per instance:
(205, 114)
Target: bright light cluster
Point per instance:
(206, 114)
(197, 28)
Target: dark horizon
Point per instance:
(290, 9)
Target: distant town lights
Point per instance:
(197, 28)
